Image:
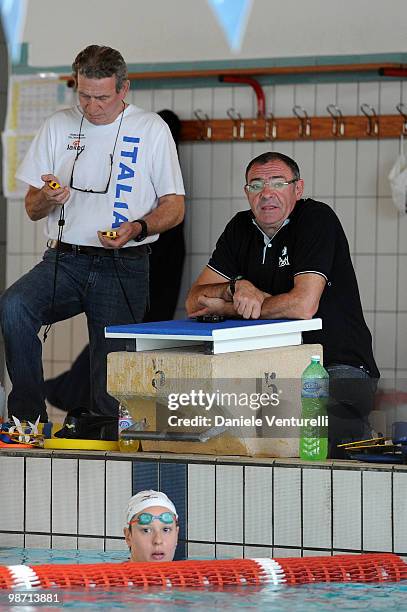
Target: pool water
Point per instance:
(378, 597)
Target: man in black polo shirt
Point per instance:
(288, 258)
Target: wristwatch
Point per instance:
(144, 230)
(232, 284)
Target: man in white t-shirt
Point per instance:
(101, 166)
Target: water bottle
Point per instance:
(314, 400)
(125, 421)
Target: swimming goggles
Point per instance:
(145, 518)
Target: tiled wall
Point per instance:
(351, 176)
(227, 508)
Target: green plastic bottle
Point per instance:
(314, 419)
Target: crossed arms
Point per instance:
(210, 294)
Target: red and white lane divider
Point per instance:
(384, 567)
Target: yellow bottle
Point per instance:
(125, 421)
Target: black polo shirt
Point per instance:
(311, 240)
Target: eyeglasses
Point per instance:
(259, 184)
(80, 150)
(145, 518)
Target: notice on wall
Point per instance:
(31, 99)
(15, 145)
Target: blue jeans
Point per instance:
(351, 399)
(86, 284)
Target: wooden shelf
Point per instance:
(292, 128)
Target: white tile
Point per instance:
(242, 154)
(316, 493)
(222, 100)
(258, 505)
(239, 204)
(222, 170)
(377, 511)
(366, 220)
(257, 552)
(91, 497)
(402, 341)
(163, 99)
(304, 95)
(37, 541)
(304, 153)
(64, 495)
(345, 169)
(12, 539)
(183, 103)
(287, 506)
(286, 553)
(385, 340)
(200, 212)
(367, 167)
(325, 95)
(229, 551)
(58, 367)
(12, 506)
(369, 94)
(317, 553)
(285, 147)
(27, 235)
(91, 544)
(402, 220)
(15, 212)
(80, 334)
(390, 96)
(185, 159)
(143, 98)
(402, 283)
(62, 340)
(347, 500)
(64, 543)
(38, 494)
(116, 544)
(388, 152)
(283, 101)
(347, 98)
(324, 169)
(229, 504)
(365, 274)
(386, 283)
(221, 215)
(345, 209)
(400, 511)
(197, 263)
(13, 272)
(244, 101)
(202, 98)
(201, 170)
(201, 551)
(201, 502)
(118, 493)
(40, 241)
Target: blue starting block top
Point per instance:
(227, 336)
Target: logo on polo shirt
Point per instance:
(283, 259)
(74, 142)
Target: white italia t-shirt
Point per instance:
(145, 168)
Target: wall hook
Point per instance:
(206, 129)
(238, 123)
(373, 120)
(338, 125)
(402, 109)
(270, 128)
(304, 129)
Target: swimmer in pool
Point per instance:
(151, 527)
